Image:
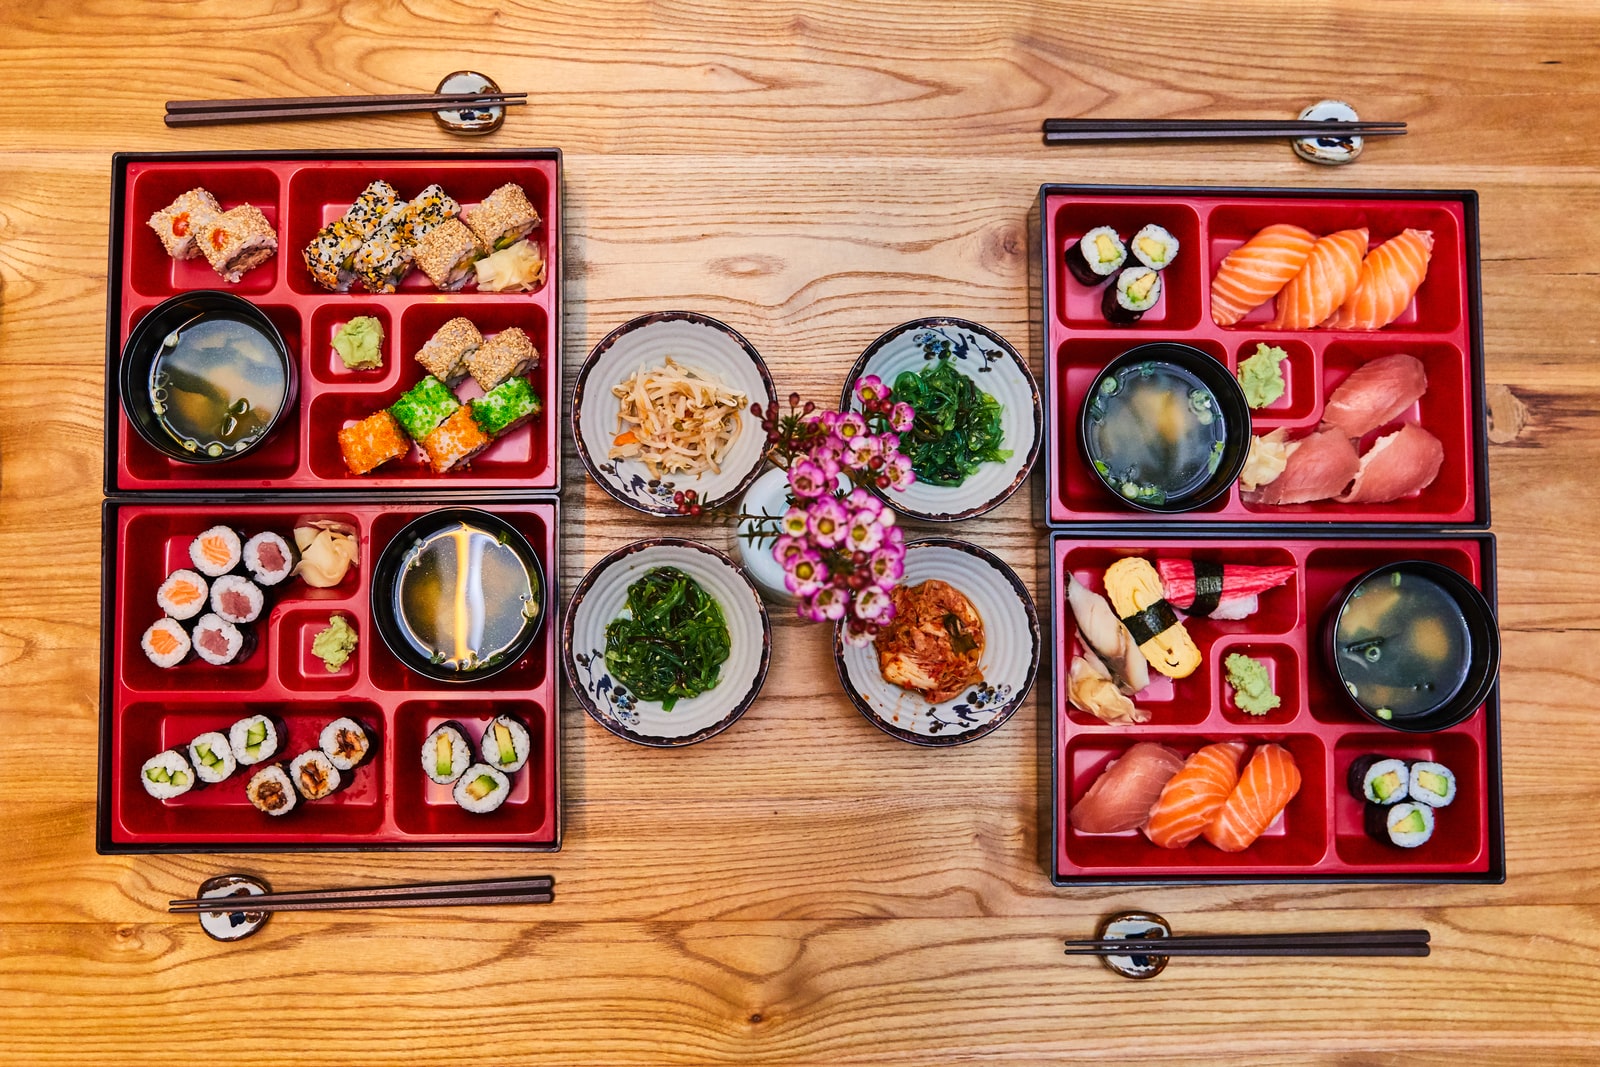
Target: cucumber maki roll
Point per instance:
(212, 756)
(481, 789)
(271, 791)
(346, 743)
(505, 744)
(1432, 784)
(1406, 825)
(1098, 255)
(166, 775)
(314, 774)
(1154, 247)
(1137, 291)
(1377, 780)
(253, 740)
(446, 754)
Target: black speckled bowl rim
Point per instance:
(589, 463)
(582, 695)
(1010, 706)
(847, 397)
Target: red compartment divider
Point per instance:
(1441, 328)
(390, 803)
(299, 194)
(1320, 837)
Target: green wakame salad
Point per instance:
(957, 428)
(673, 642)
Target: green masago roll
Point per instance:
(424, 406)
(505, 407)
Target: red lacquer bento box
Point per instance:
(1320, 836)
(299, 193)
(388, 802)
(1441, 328)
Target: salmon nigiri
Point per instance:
(1325, 281)
(1253, 273)
(1390, 277)
(1191, 798)
(1269, 781)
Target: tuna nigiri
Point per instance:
(1390, 277)
(1269, 781)
(1218, 590)
(1320, 467)
(1325, 281)
(1253, 273)
(1397, 464)
(1375, 393)
(1190, 799)
(1121, 798)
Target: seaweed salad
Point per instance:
(673, 642)
(957, 428)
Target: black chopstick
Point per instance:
(1329, 943)
(1323, 937)
(1228, 134)
(216, 118)
(411, 890)
(245, 902)
(1381, 949)
(270, 102)
(1057, 125)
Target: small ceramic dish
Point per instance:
(995, 366)
(1009, 662)
(694, 341)
(602, 596)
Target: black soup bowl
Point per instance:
(1482, 651)
(196, 358)
(1230, 406)
(458, 595)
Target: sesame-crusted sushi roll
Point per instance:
(330, 257)
(165, 643)
(424, 407)
(481, 789)
(446, 754)
(370, 208)
(503, 218)
(237, 241)
(507, 354)
(237, 599)
(455, 442)
(372, 442)
(445, 354)
(427, 210)
(346, 743)
(216, 551)
(506, 744)
(178, 222)
(212, 757)
(166, 775)
(271, 790)
(269, 558)
(505, 407)
(218, 641)
(183, 595)
(384, 259)
(254, 739)
(446, 254)
(314, 774)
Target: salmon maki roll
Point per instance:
(1189, 801)
(1325, 281)
(1253, 273)
(1390, 276)
(1269, 781)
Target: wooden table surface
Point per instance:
(802, 889)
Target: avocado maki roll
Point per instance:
(1406, 825)
(1154, 247)
(1377, 780)
(1098, 255)
(346, 743)
(212, 756)
(481, 789)
(166, 775)
(271, 791)
(253, 739)
(446, 753)
(505, 744)
(1138, 289)
(1432, 784)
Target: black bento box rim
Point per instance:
(114, 272)
(110, 507)
(1493, 874)
(1468, 199)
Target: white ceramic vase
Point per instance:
(768, 495)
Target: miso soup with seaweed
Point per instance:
(216, 385)
(1402, 645)
(1154, 432)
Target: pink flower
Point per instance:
(793, 525)
(886, 566)
(830, 420)
(897, 469)
(891, 443)
(893, 536)
(826, 457)
(861, 451)
(807, 479)
(807, 575)
(859, 640)
(851, 426)
(902, 416)
(828, 521)
(863, 500)
(787, 550)
(826, 603)
(871, 603)
(870, 388)
(864, 534)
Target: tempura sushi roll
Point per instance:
(363, 217)
(1379, 781)
(346, 743)
(165, 643)
(183, 594)
(254, 739)
(1407, 825)
(166, 775)
(455, 442)
(481, 789)
(178, 222)
(505, 744)
(1154, 247)
(422, 408)
(238, 240)
(314, 774)
(445, 354)
(212, 757)
(269, 558)
(271, 790)
(330, 257)
(446, 254)
(505, 407)
(372, 442)
(1097, 255)
(1136, 291)
(507, 354)
(216, 551)
(1432, 784)
(217, 641)
(427, 210)
(237, 599)
(503, 218)
(446, 754)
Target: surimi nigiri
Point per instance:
(1269, 781)
(1325, 281)
(1190, 799)
(1390, 277)
(1253, 273)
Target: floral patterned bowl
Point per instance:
(602, 596)
(1010, 655)
(692, 340)
(984, 356)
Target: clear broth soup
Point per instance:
(1156, 433)
(464, 597)
(216, 385)
(1402, 645)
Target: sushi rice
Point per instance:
(271, 791)
(505, 744)
(165, 643)
(253, 739)
(212, 756)
(166, 775)
(345, 742)
(481, 789)
(314, 774)
(183, 595)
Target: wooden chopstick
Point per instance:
(264, 102)
(419, 890)
(288, 114)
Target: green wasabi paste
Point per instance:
(334, 645)
(1252, 685)
(1261, 376)
(359, 343)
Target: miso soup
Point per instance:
(464, 597)
(1402, 645)
(216, 384)
(1155, 433)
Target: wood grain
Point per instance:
(803, 890)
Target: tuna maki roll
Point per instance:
(505, 744)
(216, 551)
(314, 774)
(217, 641)
(446, 352)
(346, 743)
(505, 407)
(446, 254)
(165, 644)
(178, 222)
(269, 558)
(1098, 255)
(237, 599)
(166, 775)
(1432, 784)
(1406, 825)
(503, 218)
(1154, 247)
(253, 740)
(508, 354)
(1378, 781)
(183, 595)
(271, 791)
(212, 756)
(455, 442)
(481, 789)
(237, 241)
(1137, 291)
(422, 408)
(446, 753)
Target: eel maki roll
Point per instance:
(481, 789)
(1137, 290)
(1432, 784)
(183, 595)
(271, 790)
(1405, 825)
(1098, 255)
(253, 740)
(314, 774)
(166, 644)
(506, 744)
(446, 753)
(237, 599)
(1154, 247)
(345, 742)
(216, 551)
(1377, 780)
(269, 558)
(212, 756)
(166, 775)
